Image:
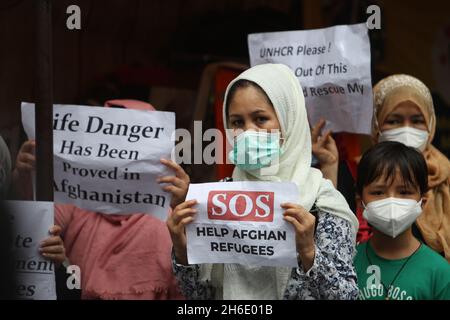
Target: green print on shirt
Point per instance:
(425, 276)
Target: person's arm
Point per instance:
(189, 280)
(330, 172)
(188, 275)
(332, 275)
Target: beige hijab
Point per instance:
(434, 223)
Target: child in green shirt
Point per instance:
(393, 264)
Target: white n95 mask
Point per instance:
(392, 216)
(411, 137)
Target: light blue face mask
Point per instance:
(254, 150)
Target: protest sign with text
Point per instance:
(30, 222)
(107, 160)
(333, 67)
(241, 222)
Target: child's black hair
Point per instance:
(385, 158)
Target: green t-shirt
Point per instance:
(425, 276)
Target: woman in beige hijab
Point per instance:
(404, 112)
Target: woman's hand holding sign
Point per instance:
(304, 223)
(182, 215)
(52, 248)
(179, 184)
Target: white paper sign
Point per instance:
(107, 160)
(333, 67)
(242, 222)
(30, 222)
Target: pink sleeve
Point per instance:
(63, 215)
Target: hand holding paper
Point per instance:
(52, 248)
(304, 223)
(182, 215)
(179, 183)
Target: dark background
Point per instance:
(156, 50)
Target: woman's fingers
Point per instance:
(321, 143)
(181, 211)
(315, 132)
(55, 230)
(178, 184)
(318, 145)
(297, 225)
(331, 144)
(26, 162)
(52, 249)
(180, 215)
(28, 146)
(55, 257)
(330, 138)
(178, 194)
(186, 221)
(173, 180)
(172, 189)
(295, 213)
(179, 172)
(325, 149)
(26, 152)
(186, 204)
(27, 158)
(25, 167)
(300, 217)
(326, 135)
(298, 213)
(51, 241)
(287, 205)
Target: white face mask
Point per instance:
(392, 216)
(411, 137)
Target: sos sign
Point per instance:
(241, 205)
